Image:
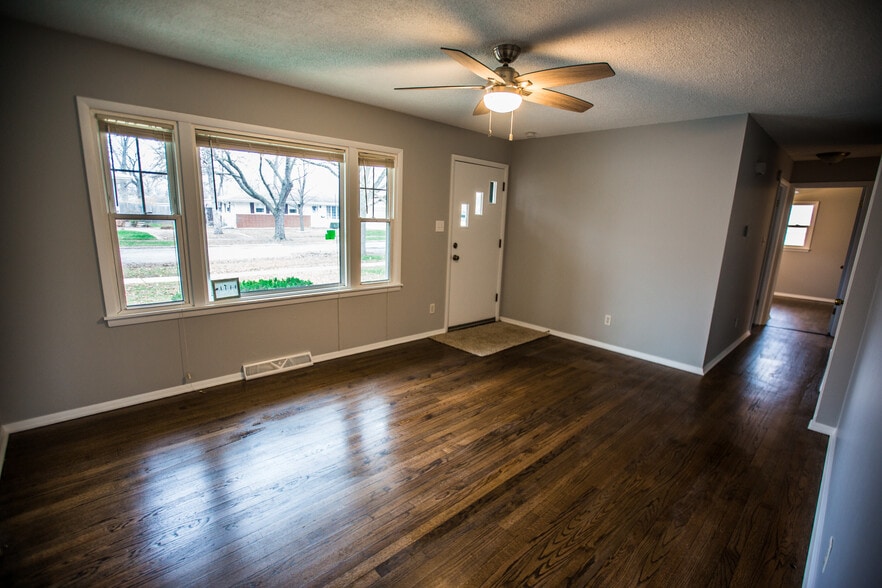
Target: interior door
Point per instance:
(477, 224)
(847, 265)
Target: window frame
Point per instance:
(810, 228)
(374, 161)
(192, 245)
(113, 216)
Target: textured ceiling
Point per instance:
(809, 71)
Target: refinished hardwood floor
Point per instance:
(547, 464)
(800, 315)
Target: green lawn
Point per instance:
(129, 238)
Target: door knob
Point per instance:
(456, 258)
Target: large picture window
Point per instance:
(181, 202)
(282, 251)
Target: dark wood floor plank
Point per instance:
(551, 463)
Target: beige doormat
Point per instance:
(490, 338)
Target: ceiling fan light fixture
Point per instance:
(502, 99)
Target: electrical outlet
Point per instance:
(432, 308)
(607, 320)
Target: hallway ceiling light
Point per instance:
(833, 156)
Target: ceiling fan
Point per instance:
(506, 88)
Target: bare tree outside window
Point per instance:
(272, 180)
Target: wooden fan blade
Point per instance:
(570, 74)
(481, 108)
(556, 100)
(441, 88)
(472, 64)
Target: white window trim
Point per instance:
(807, 244)
(194, 256)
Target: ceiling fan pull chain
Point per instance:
(511, 128)
(490, 127)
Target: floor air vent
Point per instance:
(276, 366)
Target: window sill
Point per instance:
(172, 313)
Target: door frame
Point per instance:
(452, 215)
(774, 248)
(775, 245)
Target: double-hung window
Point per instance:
(800, 226)
(196, 215)
(375, 173)
(142, 210)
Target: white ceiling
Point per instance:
(810, 71)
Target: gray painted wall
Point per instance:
(854, 315)
(852, 516)
(631, 223)
(746, 237)
(59, 353)
(816, 273)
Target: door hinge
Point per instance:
(503, 186)
(500, 243)
(497, 297)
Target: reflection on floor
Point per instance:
(800, 315)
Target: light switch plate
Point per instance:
(439, 226)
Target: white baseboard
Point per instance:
(821, 428)
(92, 409)
(801, 297)
(692, 369)
(709, 365)
(374, 346)
(814, 559)
(84, 411)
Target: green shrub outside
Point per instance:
(273, 284)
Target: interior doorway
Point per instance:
(817, 275)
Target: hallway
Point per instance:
(807, 316)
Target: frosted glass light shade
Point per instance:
(502, 99)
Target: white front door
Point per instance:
(477, 223)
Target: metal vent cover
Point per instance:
(276, 366)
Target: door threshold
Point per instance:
(471, 324)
